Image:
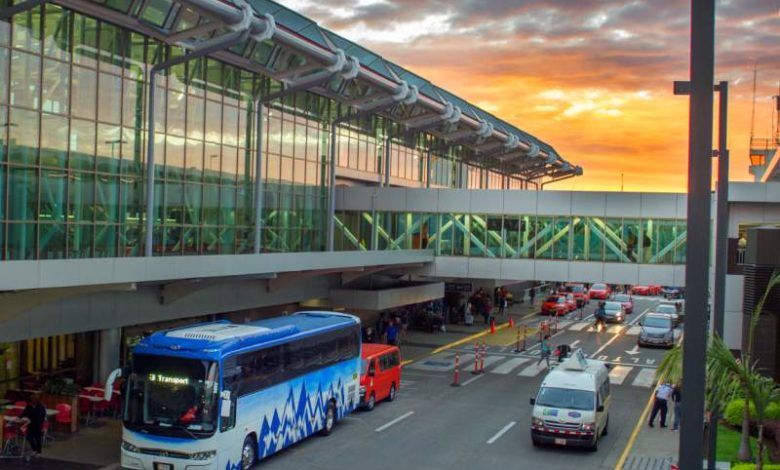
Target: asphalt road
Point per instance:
(484, 423)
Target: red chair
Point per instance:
(47, 437)
(14, 412)
(23, 404)
(10, 439)
(63, 416)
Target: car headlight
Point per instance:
(205, 455)
(588, 427)
(537, 422)
(130, 447)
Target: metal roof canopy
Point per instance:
(294, 47)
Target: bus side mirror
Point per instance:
(108, 391)
(533, 401)
(600, 409)
(225, 409)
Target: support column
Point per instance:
(387, 162)
(428, 169)
(698, 254)
(109, 349)
(332, 188)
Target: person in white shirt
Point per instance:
(662, 395)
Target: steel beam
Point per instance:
(697, 261)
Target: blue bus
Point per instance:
(222, 395)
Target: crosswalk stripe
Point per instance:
(615, 329)
(644, 378)
(489, 360)
(579, 326)
(533, 370)
(510, 365)
(618, 374)
(634, 330)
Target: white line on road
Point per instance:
(501, 432)
(633, 331)
(396, 420)
(533, 370)
(604, 346)
(579, 326)
(574, 343)
(510, 365)
(644, 378)
(618, 374)
(472, 380)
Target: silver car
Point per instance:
(614, 312)
(657, 330)
(671, 310)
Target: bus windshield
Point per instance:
(172, 396)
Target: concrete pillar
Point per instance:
(109, 349)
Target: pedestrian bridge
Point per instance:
(622, 238)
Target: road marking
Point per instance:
(644, 378)
(472, 380)
(579, 326)
(618, 374)
(490, 360)
(510, 365)
(637, 427)
(395, 421)
(604, 346)
(615, 329)
(500, 433)
(574, 343)
(533, 370)
(634, 330)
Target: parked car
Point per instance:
(558, 305)
(380, 376)
(671, 308)
(626, 300)
(671, 292)
(643, 290)
(578, 291)
(599, 291)
(657, 330)
(614, 312)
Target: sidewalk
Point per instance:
(654, 448)
(419, 344)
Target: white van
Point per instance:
(572, 405)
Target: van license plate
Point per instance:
(163, 466)
(560, 442)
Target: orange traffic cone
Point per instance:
(511, 322)
(492, 326)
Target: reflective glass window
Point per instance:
(25, 79)
(23, 133)
(54, 141)
(84, 92)
(82, 144)
(56, 79)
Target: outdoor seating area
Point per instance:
(64, 414)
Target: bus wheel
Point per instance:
(330, 419)
(248, 454)
(371, 403)
(391, 396)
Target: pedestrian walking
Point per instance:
(392, 333)
(677, 399)
(35, 415)
(532, 294)
(662, 395)
(545, 351)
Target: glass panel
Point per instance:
(527, 237)
(194, 160)
(57, 32)
(174, 157)
(105, 241)
(54, 141)
(210, 204)
(545, 232)
(132, 107)
(614, 249)
(56, 79)
(81, 195)
(84, 92)
(632, 240)
(176, 112)
(21, 241)
(213, 121)
(561, 238)
(82, 144)
(107, 198)
(156, 11)
(23, 136)
(109, 140)
(52, 196)
(22, 194)
(51, 241)
(110, 91)
(174, 203)
(26, 32)
(85, 41)
(495, 236)
(25, 79)
(80, 240)
(4, 55)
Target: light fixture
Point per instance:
(757, 159)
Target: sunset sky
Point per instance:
(591, 77)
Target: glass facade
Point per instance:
(73, 105)
(618, 240)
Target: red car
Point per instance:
(626, 301)
(558, 305)
(600, 291)
(578, 291)
(646, 290)
(380, 375)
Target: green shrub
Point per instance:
(752, 466)
(734, 410)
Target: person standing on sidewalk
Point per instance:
(35, 415)
(545, 351)
(531, 295)
(662, 395)
(677, 399)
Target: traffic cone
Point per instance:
(492, 326)
(456, 376)
(476, 359)
(511, 322)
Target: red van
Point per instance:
(380, 376)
